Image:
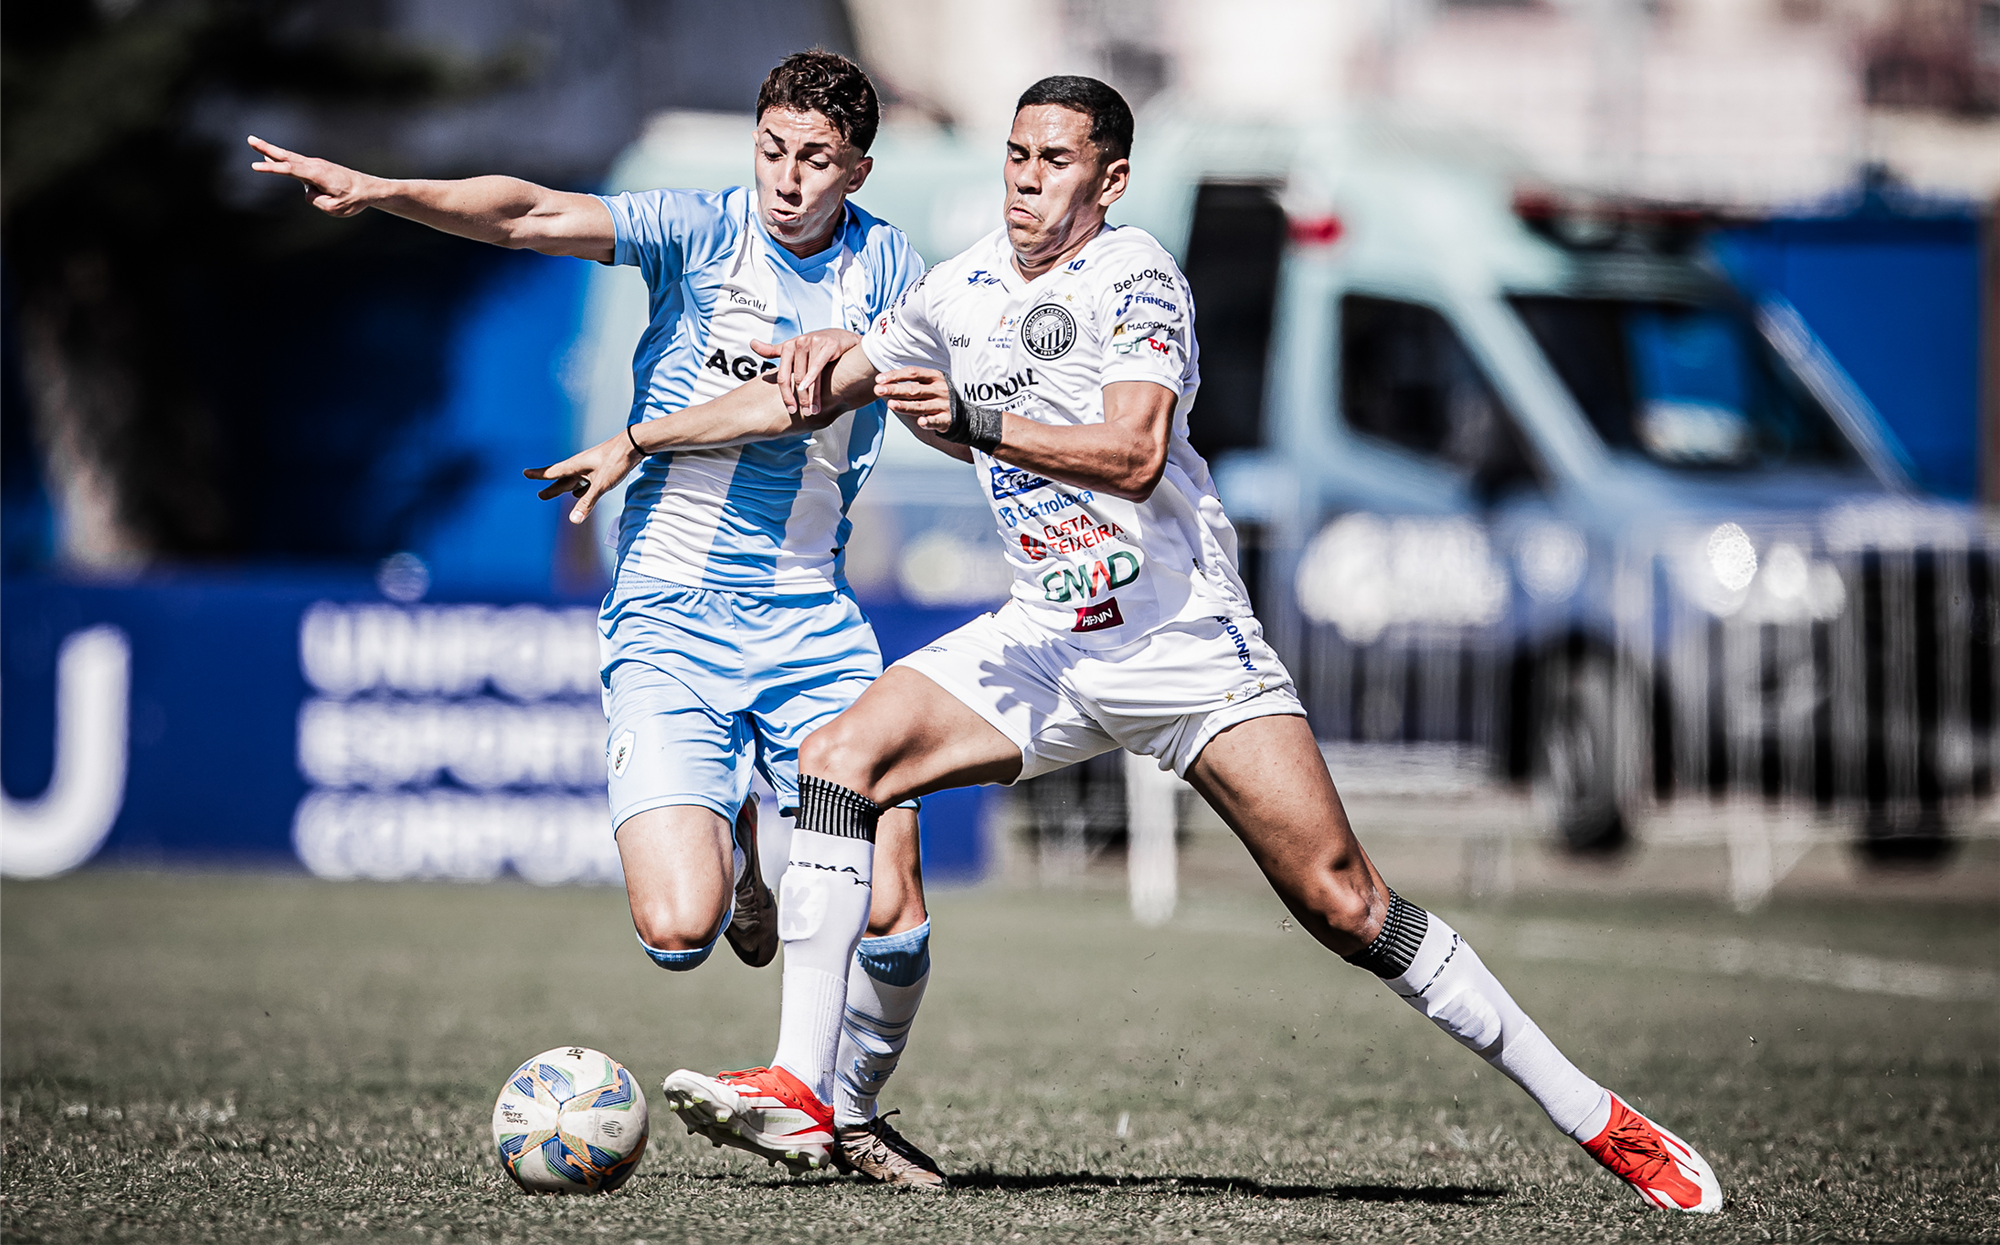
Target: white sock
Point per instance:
(822, 909)
(1453, 988)
(884, 988)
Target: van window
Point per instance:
(1234, 246)
(1406, 378)
(1686, 385)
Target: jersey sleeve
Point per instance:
(665, 232)
(903, 335)
(904, 269)
(1151, 319)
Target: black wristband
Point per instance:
(635, 442)
(976, 426)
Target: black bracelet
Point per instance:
(976, 426)
(635, 442)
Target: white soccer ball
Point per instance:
(570, 1120)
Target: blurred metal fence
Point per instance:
(1847, 664)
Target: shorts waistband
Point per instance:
(632, 582)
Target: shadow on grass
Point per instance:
(987, 1180)
(1203, 1186)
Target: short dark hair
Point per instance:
(829, 84)
(1110, 116)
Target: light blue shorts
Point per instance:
(699, 686)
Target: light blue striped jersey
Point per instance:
(770, 517)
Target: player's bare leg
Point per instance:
(896, 905)
(680, 876)
(907, 736)
(1267, 780)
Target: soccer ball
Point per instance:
(570, 1120)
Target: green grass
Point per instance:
(237, 1058)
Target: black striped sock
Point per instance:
(829, 808)
(1393, 949)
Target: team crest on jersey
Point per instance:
(1048, 332)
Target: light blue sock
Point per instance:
(885, 985)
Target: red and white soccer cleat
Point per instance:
(1664, 1170)
(767, 1111)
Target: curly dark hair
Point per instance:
(829, 84)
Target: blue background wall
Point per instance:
(215, 698)
(1896, 299)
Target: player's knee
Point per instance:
(663, 927)
(838, 752)
(1348, 903)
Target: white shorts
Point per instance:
(1164, 695)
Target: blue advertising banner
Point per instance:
(311, 722)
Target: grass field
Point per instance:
(236, 1058)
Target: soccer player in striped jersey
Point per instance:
(1058, 355)
(729, 633)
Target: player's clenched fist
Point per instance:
(332, 188)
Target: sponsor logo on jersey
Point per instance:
(1014, 515)
(960, 341)
(984, 392)
(1012, 481)
(1127, 338)
(1048, 331)
(979, 276)
(1099, 617)
(1135, 344)
(621, 754)
(1002, 335)
(1080, 581)
(742, 366)
(1150, 300)
(1148, 274)
(1074, 535)
(744, 300)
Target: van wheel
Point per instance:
(1575, 761)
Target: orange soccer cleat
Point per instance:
(1664, 1170)
(767, 1111)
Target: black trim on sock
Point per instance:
(1402, 933)
(829, 808)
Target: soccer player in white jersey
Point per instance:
(1059, 356)
(729, 633)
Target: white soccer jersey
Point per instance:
(1100, 570)
(770, 517)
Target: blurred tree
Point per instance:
(118, 229)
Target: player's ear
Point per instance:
(862, 168)
(1117, 175)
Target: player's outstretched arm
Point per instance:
(753, 411)
(504, 211)
(1123, 456)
